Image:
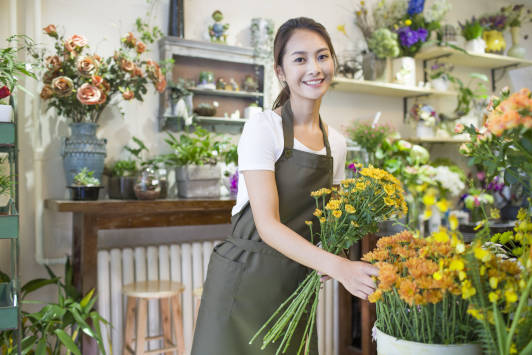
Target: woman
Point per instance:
(284, 154)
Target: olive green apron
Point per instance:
(247, 279)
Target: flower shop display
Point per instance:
(85, 186)
(356, 210)
(422, 295)
(472, 31)
(10, 71)
(181, 105)
(517, 16)
(470, 100)
(217, 31)
(439, 75)
(382, 45)
(477, 203)
(369, 137)
(57, 327)
(426, 118)
(195, 158)
(79, 84)
(494, 25)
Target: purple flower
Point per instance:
(352, 167)
(422, 34)
(234, 183)
(415, 6)
(407, 36)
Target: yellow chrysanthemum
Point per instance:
(453, 222)
(443, 205)
(389, 201)
(389, 189)
(475, 313)
(337, 213)
(333, 205)
(495, 213)
(441, 236)
(322, 220)
(494, 297)
(456, 265)
(493, 282)
(317, 212)
(308, 223)
(349, 209)
(511, 296)
(467, 289)
(482, 254)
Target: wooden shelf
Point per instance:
(384, 89)
(227, 93)
(437, 140)
(486, 60)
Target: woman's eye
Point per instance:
(299, 60)
(323, 56)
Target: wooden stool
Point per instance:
(197, 292)
(138, 294)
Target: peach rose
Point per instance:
(89, 94)
(137, 72)
(50, 30)
(153, 70)
(160, 85)
(53, 62)
(96, 80)
(141, 47)
(459, 128)
(62, 86)
(75, 42)
(106, 86)
(127, 65)
(103, 98)
(46, 92)
(86, 66)
(130, 40)
(49, 76)
(128, 95)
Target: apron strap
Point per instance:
(288, 128)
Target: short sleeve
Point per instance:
(256, 148)
(339, 155)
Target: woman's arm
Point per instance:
(262, 191)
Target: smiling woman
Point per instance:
(283, 154)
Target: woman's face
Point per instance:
(307, 65)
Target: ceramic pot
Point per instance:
(388, 345)
(495, 42)
(440, 84)
(84, 193)
(476, 46)
(424, 131)
(516, 50)
(404, 71)
(6, 112)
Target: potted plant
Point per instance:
(86, 187)
(472, 32)
(369, 137)
(79, 85)
(494, 25)
(180, 105)
(422, 295)
(383, 44)
(10, 71)
(230, 173)
(56, 328)
(426, 118)
(517, 15)
(439, 76)
(195, 157)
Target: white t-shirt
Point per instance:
(261, 145)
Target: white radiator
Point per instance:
(186, 263)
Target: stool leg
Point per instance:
(167, 327)
(142, 312)
(130, 324)
(178, 325)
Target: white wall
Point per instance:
(102, 22)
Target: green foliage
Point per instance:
(369, 137)
(475, 89)
(124, 168)
(383, 43)
(198, 148)
(5, 180)
(57, 327)
(10, 67)
(147, 33)
(85, 178)
(471, 29)
(178, 90)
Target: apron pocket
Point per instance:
(223, 277)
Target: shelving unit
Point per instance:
(494, 62)
(9, 232)
(228, 93)
(438, 140)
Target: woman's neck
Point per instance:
(306, 112)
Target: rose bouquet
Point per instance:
(422, 288)
(80, 84)
(362, 202)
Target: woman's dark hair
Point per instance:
(281, 38)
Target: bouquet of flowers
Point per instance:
(422, 288)
(368, 136)
(517, 15)
(501, 288)
(424, 113)
(80, 84)
(505, 141)
(362, 202)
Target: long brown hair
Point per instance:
(281, 38)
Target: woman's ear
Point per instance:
(280, 73)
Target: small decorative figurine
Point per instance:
(217, 29)
(220, 84)
(250, 84)
(206, 80)
(234, 85)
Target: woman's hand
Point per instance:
(356, 277)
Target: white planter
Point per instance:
(404, 71)
(6, 112)
(424, 131)
(440, 84)
(388, 345)
(477, 46)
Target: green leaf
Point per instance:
(36, 284)
(27, 344)
(41, 347)
(98, 331)
(527, 350)
(67, 341)
(82, 323)
(86, 299)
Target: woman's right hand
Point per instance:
(356, 277)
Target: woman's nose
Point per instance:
(314, 66)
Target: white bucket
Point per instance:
(388, 345)
(5, 113)
(424, 131)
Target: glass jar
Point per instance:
(147, 186)
(162, 175)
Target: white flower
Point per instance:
(449, 180)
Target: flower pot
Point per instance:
(82, 149)
(388, 345)
(6, 112)
(440, 84)
(373, 68)
(476, 46)
(495, 42)
(516, 50)
(424, 131)
(198, 181)
(404, 71)
(84, 193)
(121, 187)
